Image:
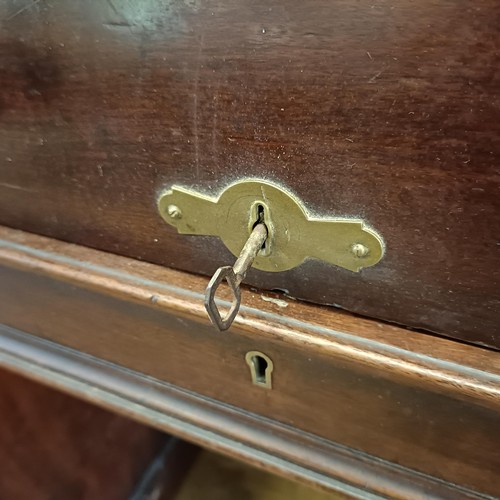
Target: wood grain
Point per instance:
(56, 447)
(428, 404)
(386, 111)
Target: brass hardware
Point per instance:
(274, 230)
(234, 276)
(360, 250)
(261, 368)
(293, 235)
(174, 212)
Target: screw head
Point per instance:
(174, 212)
(359, 250)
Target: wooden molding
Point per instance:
(398, 413)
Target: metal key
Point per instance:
(234, 276)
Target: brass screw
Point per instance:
(359, 250)
(174, 212)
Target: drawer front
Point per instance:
(366, 392)
(387, 113)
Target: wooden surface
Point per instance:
(385, 111)
(373, 391)
(55, 447)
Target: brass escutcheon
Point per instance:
(293, 234)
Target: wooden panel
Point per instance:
(428, 404)
(55, 447)
(386, 111)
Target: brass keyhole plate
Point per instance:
(293, 234)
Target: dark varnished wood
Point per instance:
(428, 404)
(386, 111)
(53, 446)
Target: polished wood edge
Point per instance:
(440, 364)
(217, 426)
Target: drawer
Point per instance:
(372, 391)
(388, 114)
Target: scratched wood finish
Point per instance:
(385, 111)
(55, 447)
(428, 404)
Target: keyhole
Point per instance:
(261, 368)
(259, 214)
(260, 220)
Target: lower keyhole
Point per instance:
(260, 366)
